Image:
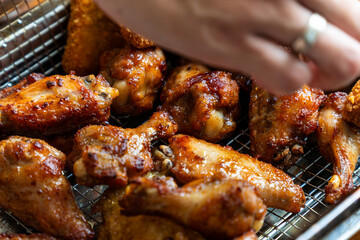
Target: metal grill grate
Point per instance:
(32, 39)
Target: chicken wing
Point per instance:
(192, 159)
(89, 34)
(31, 78)
(137, 74)
(352, 106)
(34, 189)
(135, 39)
(110, 155)
(339, 143)
(220, 209)
(279, 126)
(247, 236)
(26, 237)
(204, 104)
(56, 104)
(117, 226)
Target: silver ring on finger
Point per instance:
(316, 25)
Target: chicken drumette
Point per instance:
(339, 143)
(55, 104)
(190, 159)
(279, 126)
(219, 209)
(110, 155)
(203, 103)
(34, 189)
(117, 226)
(26, 237)
(137, 74)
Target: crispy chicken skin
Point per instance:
(26, 237)
(250, 235)
(352, 106)
(117, 226)
(34, 189)
(279, 126)
(193, 159)
(137, 74)
(56, 104)
(204, 104)
(33, 77)
(218, 209)
(111, 155)
(90, 34)
(135, 39)
(339, 143)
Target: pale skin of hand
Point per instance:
(245, 36)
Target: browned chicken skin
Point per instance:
(34, 189)
(26, 237)
(218, 209)
(110, 155)
(193, 159)
(352, 106)
(56, 104)
(339, 143)
(137, 74)
(251, 235)
(117, 226)
(279, 126)
(204, 104)
(31, 78)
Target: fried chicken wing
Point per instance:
(351, 111)
(117, 226)
(34, 189)
(90, 33)
(204, 104)
(193, 159)
(339, 143)
(251, 235)
(137, 74)
(56, 104)
(26, 237)
(31, 78)
(279, 126)
(219, 209)
(135, 39)
(110, 155)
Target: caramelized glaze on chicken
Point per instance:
(26, 237)
(117, 226)
(352, 106)
(34, 189)
(220, 209)
(110, 155)
(56, 104)
(137, 74)
(194, 159)
(339, 143)
(31, 78)
(204, 104)
(279, 126)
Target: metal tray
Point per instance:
(32, 39)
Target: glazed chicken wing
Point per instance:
(219, 209)
(339, 143)
(117, 226)
(110, 155)
(352, 106)
(204, 104)
(193, 159)
(137, 74)
(279, 126)
(34, 189)
(56, 104)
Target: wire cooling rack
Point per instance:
(32, 39)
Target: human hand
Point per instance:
(245, 36)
